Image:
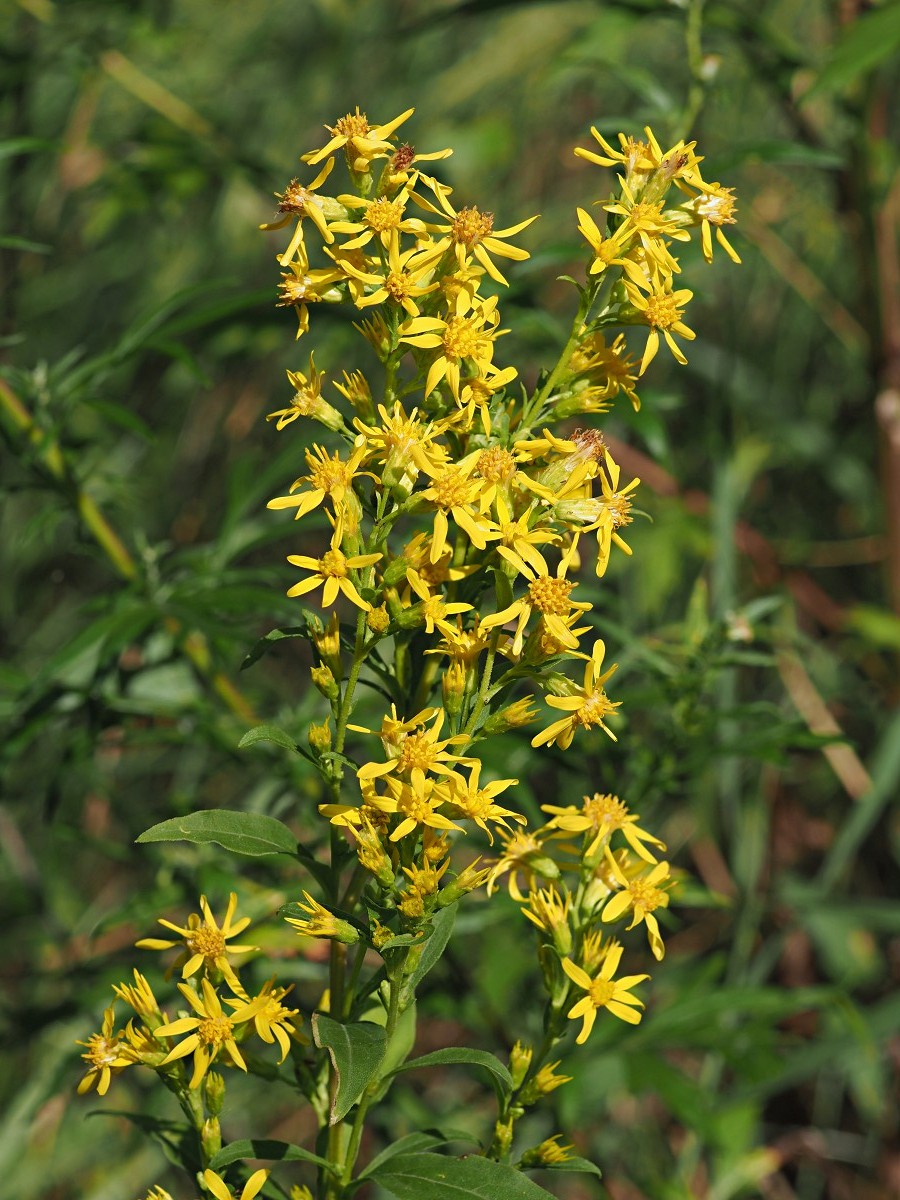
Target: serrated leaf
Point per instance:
(268, 733)
(463, 1056)
(252, 834)
(356, 1051)
(266, 1148)
(439, 1177)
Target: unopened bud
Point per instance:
(503, 1137)
(514, 716)
(547, 1154)
(213, 1093)
(453, 686)
(325, 682)
(378, 619)
(319, 737)
(211, 1138)
(519, 1061)
(328, 644)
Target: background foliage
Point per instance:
(757, 625)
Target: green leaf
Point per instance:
(442, 927)
(265, 644)
(462, 1055)
(425, 1139)
(24, 145)
(356, 1052)
(439, 1177)
(252, 834)
(575, 1163)
(870, 40)
(268, 733)
(11, 242)
(266, 1148)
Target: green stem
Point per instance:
(533, 407)
(373, 1088)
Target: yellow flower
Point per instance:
(611, 367)
(401, 280)
(220, 1189)
(604, 992)
(205, 943)
(549, 911)
(548, 1154)
(466, 335)
(546, 593)
(329, 475)
(298, 201)
(322, 923)
(479, 390)
(453, 492)
(661, 309)
(635, 156)
(381, 218)
(608, 251)
(715, 205)
(210, 1032)
(106, 1055)
(399, 170)
(477, 803)
(614, 515)
(601, 815)
(415, 750)
(415, 803)
(434, 609)
(586, 708)
(523, 856)
(404, 444)
(360, 141)
(517, 535)
(332, 573)
(140, 997)
(307, 400)
(642, 895)
(302, 286)
(471, 232)
(273, 1022)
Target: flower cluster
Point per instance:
(216, 1014)
(447, 526)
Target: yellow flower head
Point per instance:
(205, 943)
(604, 992)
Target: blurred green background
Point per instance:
(756, 625)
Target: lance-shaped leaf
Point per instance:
(356, 1051)
(252, 834)
(439, 1177)
(462, 1055)
(266, 1148)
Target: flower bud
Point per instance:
(503, 1136)
(548, 1153)
(319, 737)
(211, 1138)
(378, 619)
(328, 645)
(453, 687)
(213, 1093)
(325, 682)
(514, 716)
(519, 1061)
